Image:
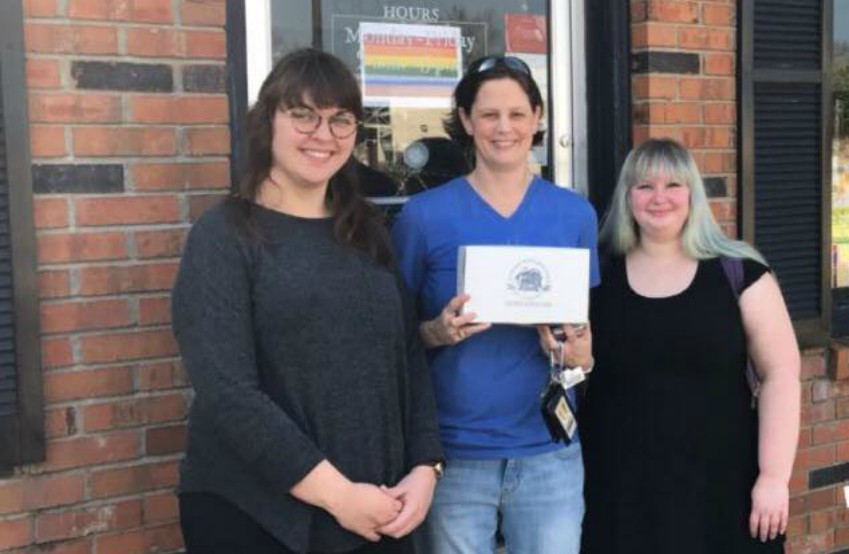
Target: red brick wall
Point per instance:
(684, 86)
(128, 114)
(820, 520)
(129, 139)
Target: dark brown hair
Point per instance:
(466, 92)
(327, 82)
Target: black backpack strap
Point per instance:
(733, 269)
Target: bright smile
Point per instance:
(316, 154)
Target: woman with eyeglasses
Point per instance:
(502, 464)
(313, 425)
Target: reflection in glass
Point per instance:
(840, 147)
(402, 135)
(290, 26)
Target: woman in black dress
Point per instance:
(677, 460)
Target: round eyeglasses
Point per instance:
(491, 62)
(307, 122)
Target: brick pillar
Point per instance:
(683, 86)
(129, 135)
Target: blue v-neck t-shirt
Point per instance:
(487, 386)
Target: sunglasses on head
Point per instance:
(491, 62)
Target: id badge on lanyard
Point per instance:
(557, 406)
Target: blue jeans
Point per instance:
(540, 499)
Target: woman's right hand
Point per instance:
(358, 507)
(363, 508)
(450, 326)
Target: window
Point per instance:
(21, 405)
(840, 167)
(783, 161)
(402, 133)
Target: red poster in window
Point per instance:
(526, 33)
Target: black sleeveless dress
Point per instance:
(668, 432)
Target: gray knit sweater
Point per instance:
(299, 349)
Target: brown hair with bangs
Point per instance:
(324, 80)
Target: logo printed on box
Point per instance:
(529, 279)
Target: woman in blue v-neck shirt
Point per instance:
(488, 379)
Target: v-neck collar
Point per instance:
(495, 213)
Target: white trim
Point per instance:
(257, 44)
(560, 101)
(580, 147)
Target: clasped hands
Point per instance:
(373, 511)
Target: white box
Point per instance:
(525, 284)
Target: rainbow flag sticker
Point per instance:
(409, 65)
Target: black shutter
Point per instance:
(21, 398)
(788, 189)
(8, 373)
(788, 34)
(785, 185)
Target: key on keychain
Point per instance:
(567, 377)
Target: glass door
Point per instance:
(408, 57)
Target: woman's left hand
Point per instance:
(416, 492)
(770, 507)
(577, 349)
